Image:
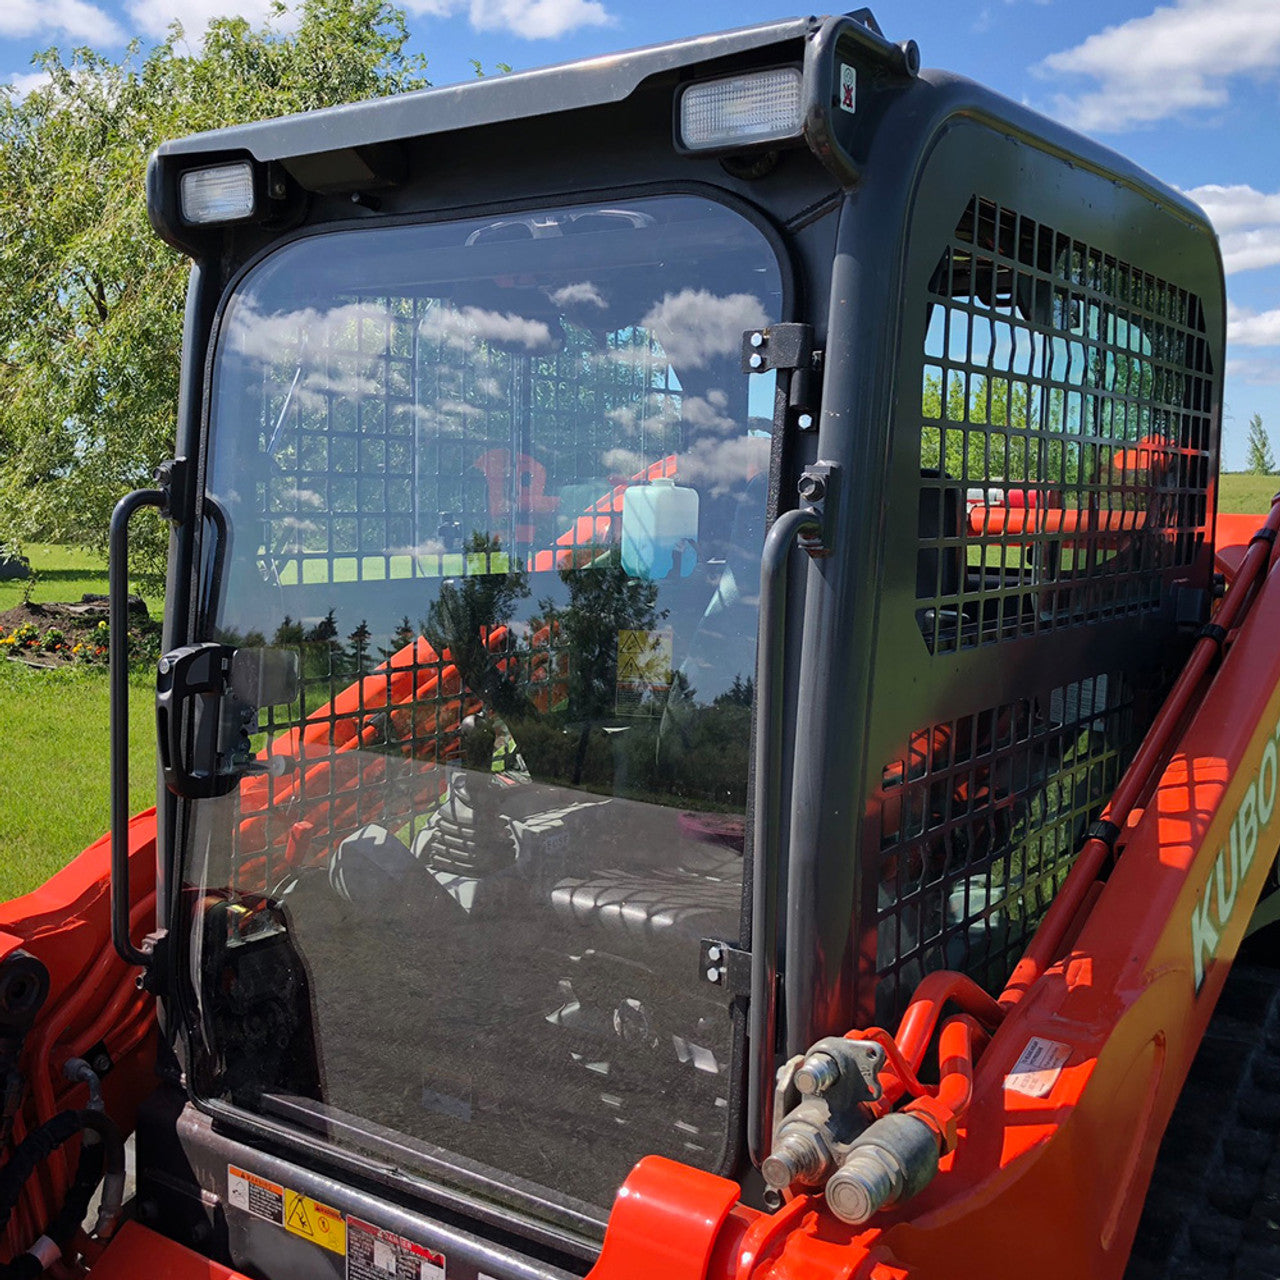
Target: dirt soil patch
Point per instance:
(52, 634)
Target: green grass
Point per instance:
(1241, 493)
(54, 798)
(64, 574)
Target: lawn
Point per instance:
(63, 574)
(54, 798)
(1242, 493)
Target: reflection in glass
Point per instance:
(500, 486)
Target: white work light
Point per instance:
(764, 106)
(220, 194)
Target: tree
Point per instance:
(91, 302)
(1261, 460)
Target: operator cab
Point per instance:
(513, 831)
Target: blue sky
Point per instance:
(1189, 89)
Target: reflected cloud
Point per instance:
(707, 413)
(460, 328)
(576, 295)
(719, 466)
(695, 326)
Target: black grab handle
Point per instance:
(118, 684)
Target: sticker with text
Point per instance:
(1038, 1067)
(376, 1254)
(255, 1195)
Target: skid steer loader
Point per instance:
(708, 726)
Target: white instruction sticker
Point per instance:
(374, 1253)
(848, 87)
(1038, 1067)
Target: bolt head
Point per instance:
(713, 954)
(805, 422)
(812, 488)
(713, 974)
(757, 339)
(756, 361)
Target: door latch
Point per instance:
(201, 727)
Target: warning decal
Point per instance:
(1038, 1067)
(315, 1222)
(286, 1208)
(848, 87)
(644, 667)
(255, 1195)
(375, 1254)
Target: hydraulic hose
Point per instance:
(102, 1149)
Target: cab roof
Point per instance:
(545, 91)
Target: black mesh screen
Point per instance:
(980, 823)
(1065, 445)
(1065, 439)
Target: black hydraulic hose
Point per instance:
(766, 820)
(118, 678)
(102, 1150)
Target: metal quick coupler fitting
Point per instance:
(893, 1160)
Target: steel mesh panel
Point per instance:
(373, 421)
(1066, 425)
(979, 825)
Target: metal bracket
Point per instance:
(727, 966)
(155, 946)
(778, 346)
(788, 348)
(173, 479)
(818, 491)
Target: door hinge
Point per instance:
(789, 350)
(726, 966)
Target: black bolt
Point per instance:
(812, 488)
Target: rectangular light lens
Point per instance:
(764, 106)
(221, 194)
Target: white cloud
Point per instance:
(24, 83)
(75, 19)
(1257, 373)
(461, 327)
(1176, 59)
(573, 295)
(154, 17)
(694, 326)
(531, 19)
(1247, 223)
(1253, 328)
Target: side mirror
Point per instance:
(659, 529)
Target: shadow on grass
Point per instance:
(70, 575)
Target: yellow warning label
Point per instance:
(315, 1221)
(645, 656)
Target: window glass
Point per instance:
(496, 490)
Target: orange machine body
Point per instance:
(1050, 1135)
